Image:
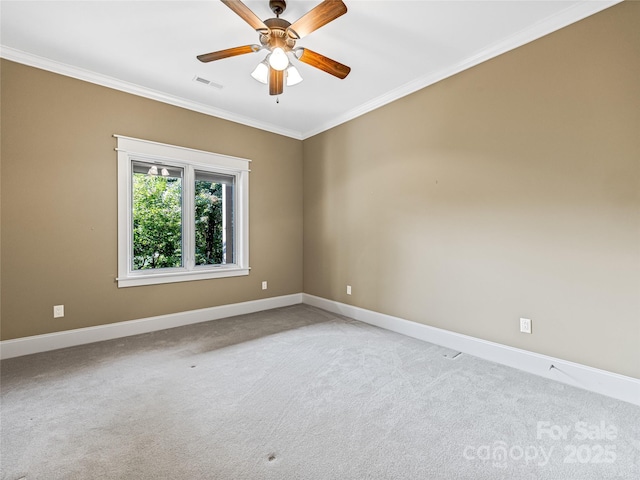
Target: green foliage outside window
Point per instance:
(157, 222)
(209, 244)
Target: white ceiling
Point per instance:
(393, 48)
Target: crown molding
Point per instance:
(555, 22)
(42, 63)
(544, 27)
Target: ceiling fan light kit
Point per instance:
(261, 74)
(279, 37)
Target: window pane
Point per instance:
(214, 218)
(157, 216)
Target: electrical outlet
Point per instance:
(58, 311)
(264, 285)
(525, 325)
(348, 289)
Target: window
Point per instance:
(182, 214)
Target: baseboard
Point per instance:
(81, 336)
(599, 381)
(589, 378)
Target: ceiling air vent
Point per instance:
(204, 81)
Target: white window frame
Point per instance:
(133, 149)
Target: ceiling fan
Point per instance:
(279, 37)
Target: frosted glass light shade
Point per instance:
(261, 72)
(293, 76)
(278, 59)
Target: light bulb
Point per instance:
(261, 72)
(278, 59)
(293, 76)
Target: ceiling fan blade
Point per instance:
(317, 17)
(325, 64)
(276, 81)
(247, 15)
(229, 52)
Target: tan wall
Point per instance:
(509, 190)
(59, 243)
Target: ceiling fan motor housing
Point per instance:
(277, 36)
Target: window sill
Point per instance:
(159, 278)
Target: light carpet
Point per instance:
(300, 393)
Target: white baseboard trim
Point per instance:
(81, 336)
(599, 381)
